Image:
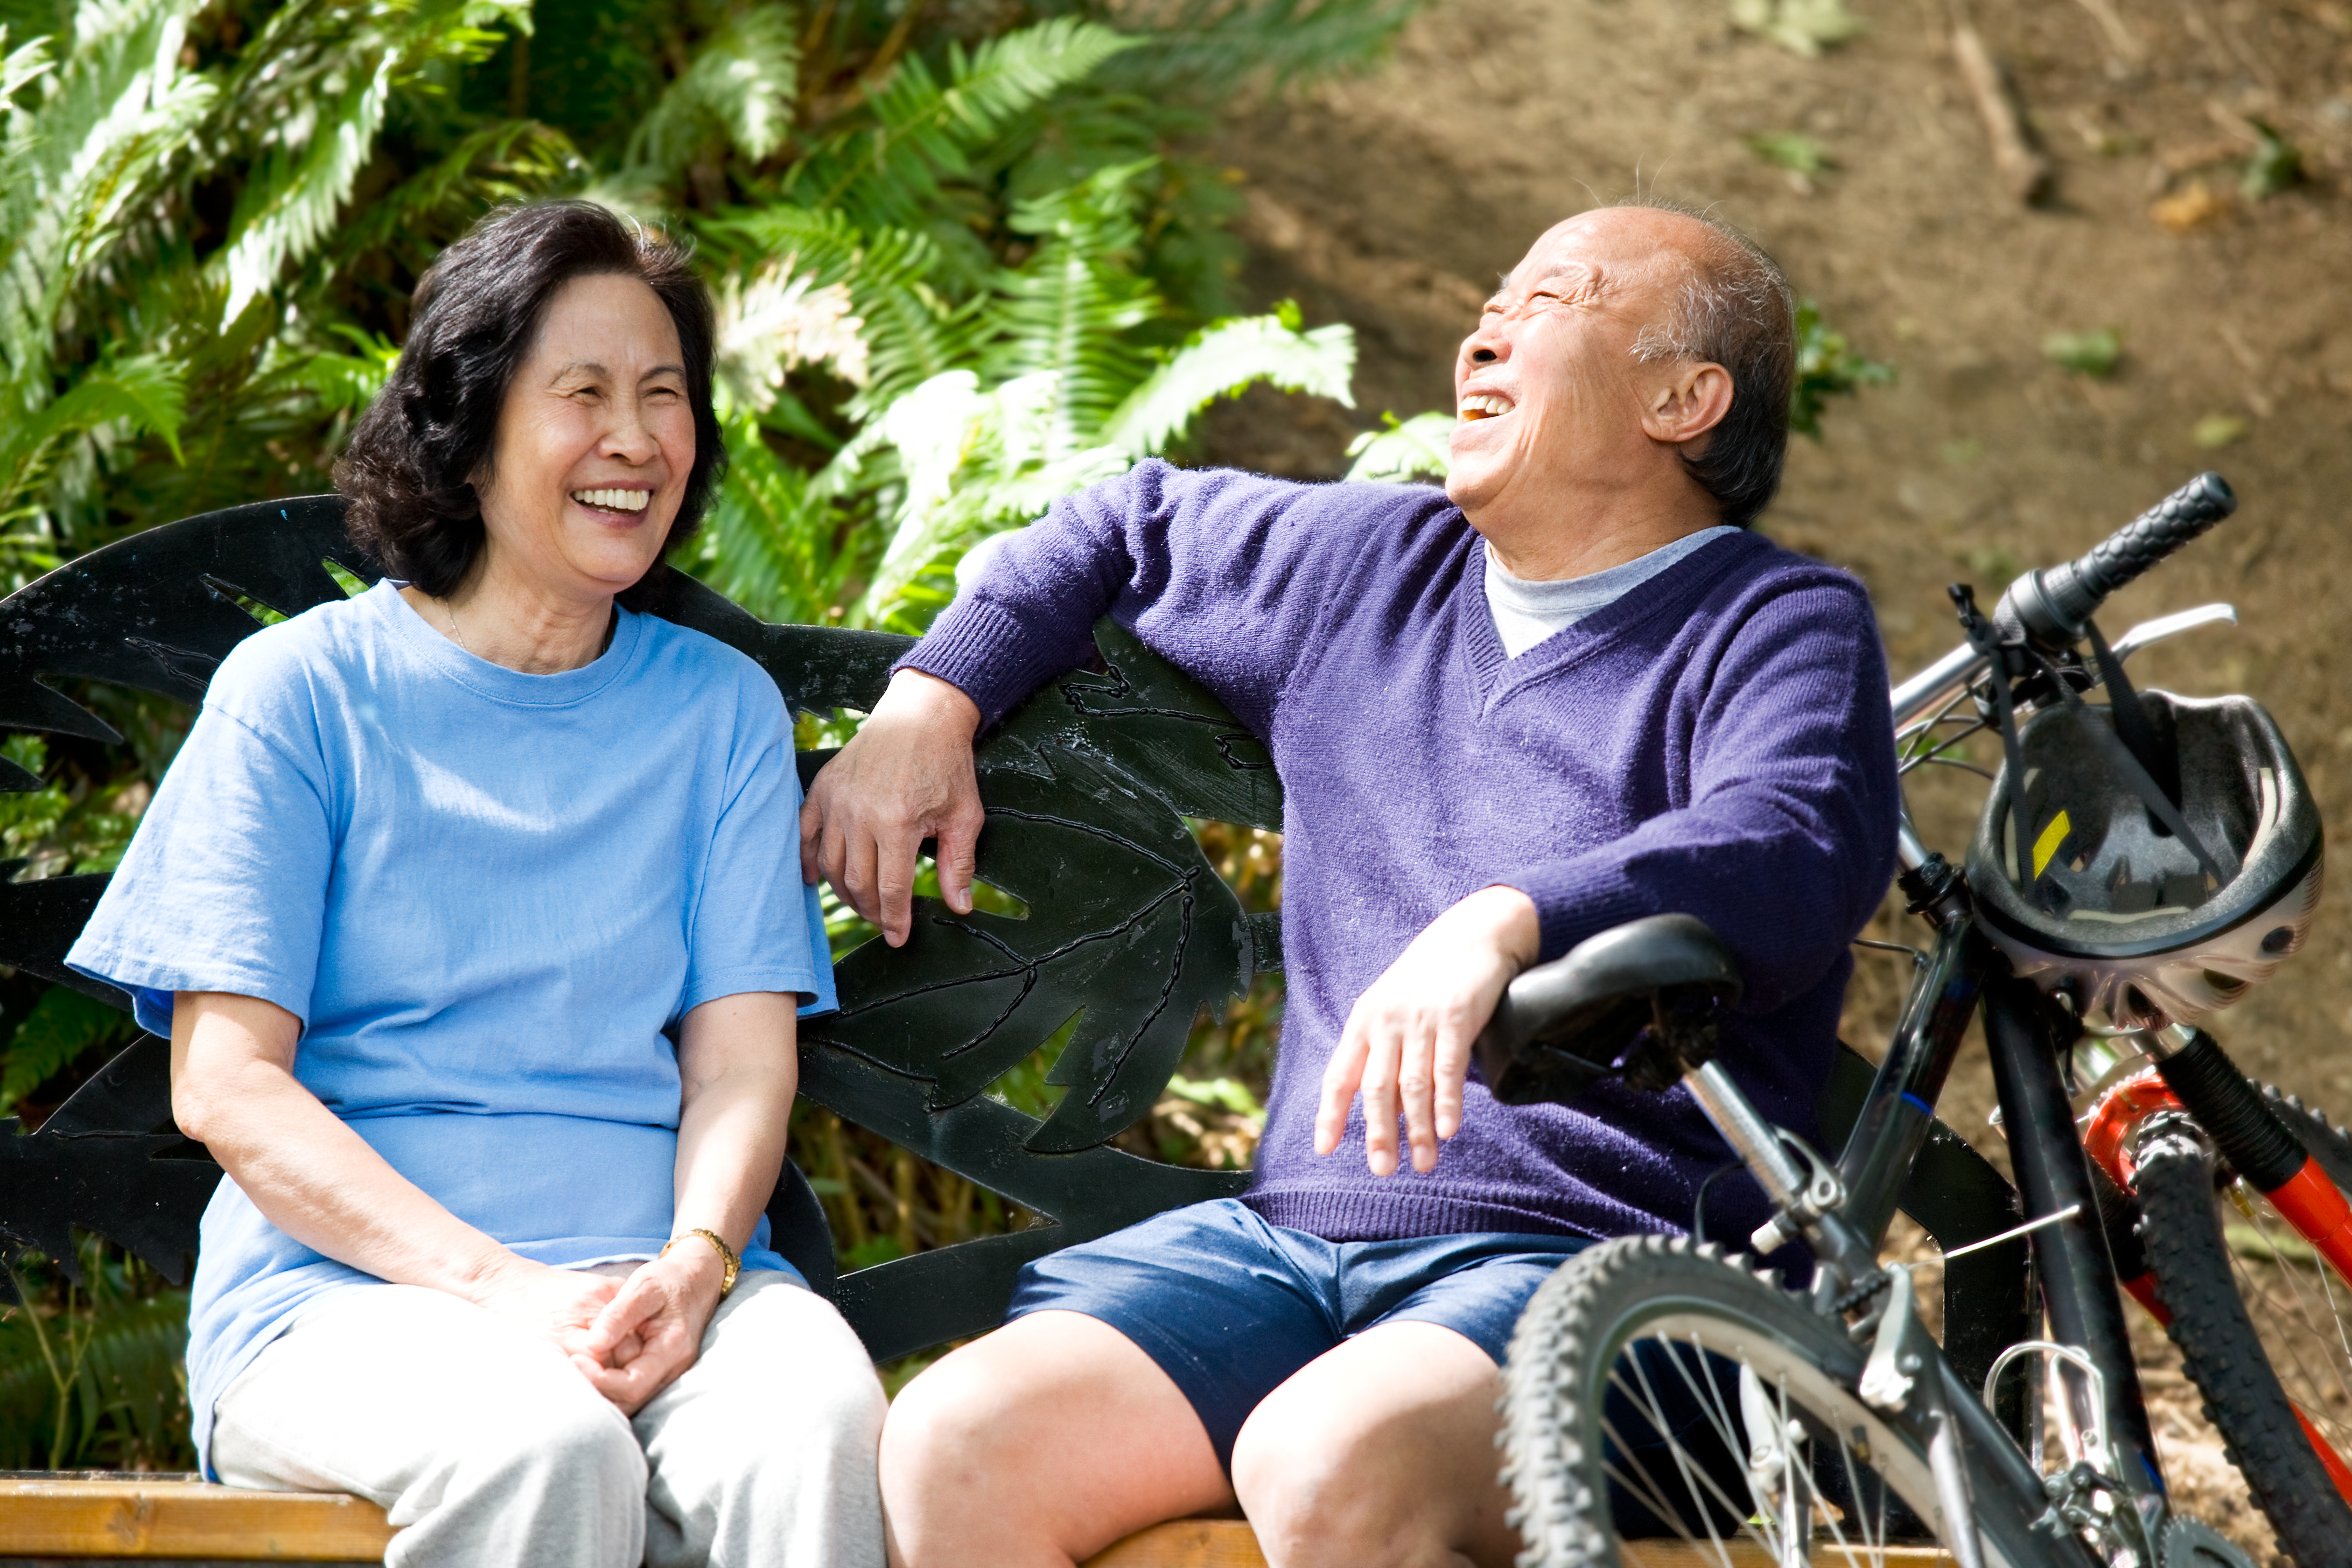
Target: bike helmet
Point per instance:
(2109, 903)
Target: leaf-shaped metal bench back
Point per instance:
(1127, 929)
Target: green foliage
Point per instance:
(2216, 431)
(2276, 166)
(66, 825)
(91, 1374)
(1801, 26)
(177, 262)
(1794, 151)
(1047, 382)
(62, 1025)
(2094, 353)
(1404, 451)
(1827, 367)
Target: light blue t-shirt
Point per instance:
(486, 894)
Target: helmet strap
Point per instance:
(2132, 726)
(2008, 662)
(2128, 766)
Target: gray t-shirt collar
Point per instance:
(1526, 612)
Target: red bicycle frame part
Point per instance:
(2308, 1200)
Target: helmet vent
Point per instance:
(2225, 986)
(2279, 943)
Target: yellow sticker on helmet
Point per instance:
(2047, 845)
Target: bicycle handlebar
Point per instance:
(2051, 606)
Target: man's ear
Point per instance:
(1692, 401)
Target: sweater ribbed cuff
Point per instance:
(1578, 898)
(986, 653)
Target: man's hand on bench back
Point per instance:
(905, 776)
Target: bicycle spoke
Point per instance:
(2276, 1286)
(1665, 1476)
(1662, 1424)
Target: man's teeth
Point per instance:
(1485, 405)
(614, 501)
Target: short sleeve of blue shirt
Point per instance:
(225, 885)
(489, 896)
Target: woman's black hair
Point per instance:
(409, 471)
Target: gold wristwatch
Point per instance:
(726, 1255)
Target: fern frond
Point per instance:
(146, 394)
(1221, 361)
(342, 384)
(283, 215)
(133, 1379)
(295, 204)
(88, 165)
(1207, 50)
(774, 543)
(1416, 449)
(20, 69)
(742, 84)
(130, 1355)
(61, 1025)
(1068, 310)
(509, 160)
(886, 174)
(777, 319)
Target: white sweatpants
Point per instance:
(491, 1451)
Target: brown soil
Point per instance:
(1391, 202)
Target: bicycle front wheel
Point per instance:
(1656, 1392)
(2265, 1327)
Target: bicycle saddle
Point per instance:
(1563, 1026)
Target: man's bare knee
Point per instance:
(1303, 1481)
(1041, 1443)
(1379, 1453)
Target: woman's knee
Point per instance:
(568, 1442)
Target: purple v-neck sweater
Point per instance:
(1717, 742)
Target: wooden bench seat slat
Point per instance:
(1186, 1543)
(132, 1518)
(73, 1517)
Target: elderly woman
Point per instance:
(469, 910)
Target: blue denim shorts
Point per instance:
(1230, 1306)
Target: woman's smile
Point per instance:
(617, 501)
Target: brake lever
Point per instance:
(2172, 625)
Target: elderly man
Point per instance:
(1571, 691)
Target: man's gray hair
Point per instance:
(1736, 309)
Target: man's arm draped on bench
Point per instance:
(1704, 730)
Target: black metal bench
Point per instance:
(1128, 926)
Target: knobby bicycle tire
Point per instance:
(1615, 1330)
(2206, 1278)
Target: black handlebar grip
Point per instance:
(2051, 606)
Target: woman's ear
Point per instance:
(1691, 401)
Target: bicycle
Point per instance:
(1661, 1391)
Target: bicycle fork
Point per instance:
(1905, 1377)
(2194, 1090)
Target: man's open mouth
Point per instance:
(1485, 405)
(614, 501)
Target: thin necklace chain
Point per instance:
(450, 611)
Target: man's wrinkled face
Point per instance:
(1548, 389)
